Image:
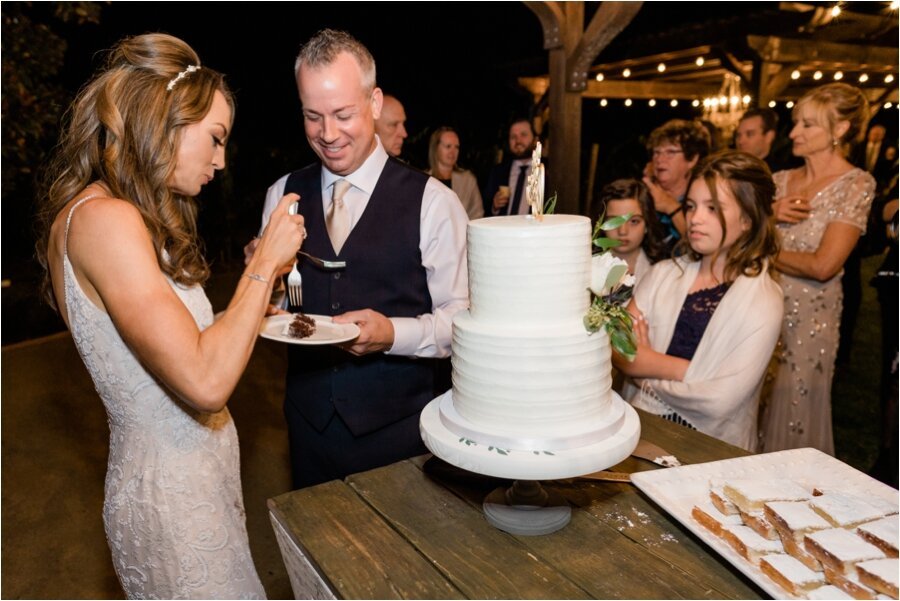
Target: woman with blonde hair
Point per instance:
(443, 153)
(120, 249)
(821, 211)
(706, 322)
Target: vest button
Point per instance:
(335, 305)
(337, 276)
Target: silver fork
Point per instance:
(294, 281)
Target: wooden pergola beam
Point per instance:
(785, 50)
(609, 20)
(649, 89)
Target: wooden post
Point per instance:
(572, 50)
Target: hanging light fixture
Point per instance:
(725, 110)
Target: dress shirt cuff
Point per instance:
(408, 333)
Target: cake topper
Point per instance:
(535, 184)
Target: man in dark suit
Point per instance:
(504, 193)
(402, 235)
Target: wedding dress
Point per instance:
(173, 509)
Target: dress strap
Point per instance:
(69, 221)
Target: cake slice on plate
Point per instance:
(840, 550)
(751, 495)
(881, 575)
(882, 533)
(791, 575)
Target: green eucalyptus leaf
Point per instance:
(615, 222)
(606, 243)
(550, 205)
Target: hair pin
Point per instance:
(182, 75)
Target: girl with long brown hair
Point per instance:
(707, 321)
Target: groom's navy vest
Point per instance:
(384, 272)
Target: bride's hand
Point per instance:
(283, 235)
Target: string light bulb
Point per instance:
(628, 102)
(661, 67)
(673, 103)
(604, 102)
(835, 10)
(695, 103)
(863, 78)
(795, 74)
(838, 75)
(746, 99)
(599, 77)
(817, 75)
(895, 4)
(888, 105)
(789, 104)
(700, 60)
(772, 104)
(652, 102)
(888, 78)
(626, 72)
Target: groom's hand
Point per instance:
(376, 332)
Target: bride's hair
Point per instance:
(123, 129)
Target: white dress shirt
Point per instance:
(442, 242)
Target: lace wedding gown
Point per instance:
(173, 509)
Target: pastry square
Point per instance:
(749, 544)
(881, 575)
(845, 511)
(752, 495)
(850, 585)
(797, 551)
(794, 519)
(757, 520)
(840, 549)
(882, 533)
(712, 519)
(718, 499)
(791, 575)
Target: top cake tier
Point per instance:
(527, 271)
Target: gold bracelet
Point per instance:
(257, 277)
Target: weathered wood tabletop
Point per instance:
(416, 530)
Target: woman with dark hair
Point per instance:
(443, 154)
(641, 237)
(707, 321)
(675, 149)
(120, 250)
(821, 210)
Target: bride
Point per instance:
(120, 250)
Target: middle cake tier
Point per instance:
(550, 379)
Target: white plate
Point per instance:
(326, 332)
(678, 489)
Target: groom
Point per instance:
(403, 236)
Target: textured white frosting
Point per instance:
(522, 360)
(525, 271)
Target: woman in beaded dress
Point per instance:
(121, 254)
(821, 211)
(706, 322)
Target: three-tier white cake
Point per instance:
(531, 395)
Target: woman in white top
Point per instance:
(706, 323)
(443, 153)
(641, 237)
(123, 265)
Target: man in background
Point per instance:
(504, 193)
(391, 125)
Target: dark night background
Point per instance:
(449, 63)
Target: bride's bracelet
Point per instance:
(257, 277)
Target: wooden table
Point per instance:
(415, 530)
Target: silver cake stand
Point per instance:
(527, 508)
